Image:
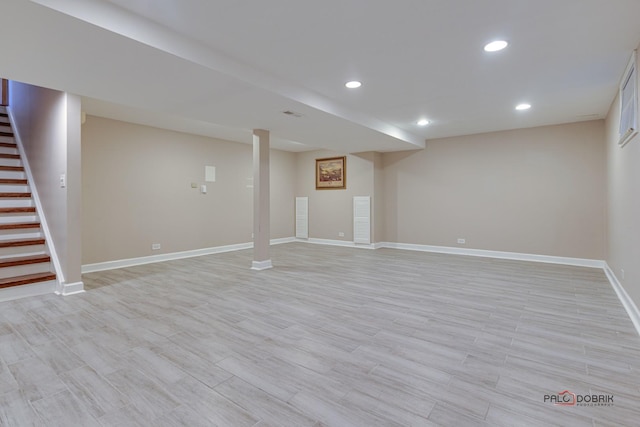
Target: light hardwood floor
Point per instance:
(329, 337)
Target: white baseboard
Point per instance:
(329, 242)
(580, 262)
(623, 296)
(261, 265)
(67, 289)
(283, 240)
(32, 290)
(131, 262)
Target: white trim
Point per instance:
(31, 290)
(580, 262)
(623, 296)
(261, 265)
(282, 240)
(130, 262)
(336, 243)
(70, 289)
(34, 194)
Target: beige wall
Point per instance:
(623, 185)
(537, 191)
(331, 211)
(48, 123)
(137, 191)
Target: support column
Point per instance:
(261, 208)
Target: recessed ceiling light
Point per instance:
(523, 106)
(495, 46)
(354, 84)
(423, 122)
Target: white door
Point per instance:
(362, 219)
(302, 217)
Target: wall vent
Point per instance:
(292, 113)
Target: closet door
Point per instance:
(302, 217)
(362, 219)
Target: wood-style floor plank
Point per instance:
(329, 337)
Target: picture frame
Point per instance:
(331, 173)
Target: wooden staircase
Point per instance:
(23, 257)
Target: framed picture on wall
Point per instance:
(331, 173)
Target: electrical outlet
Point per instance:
(622, 273)
(155, 246)
(462, 241)
(252, 236)
(340, 234)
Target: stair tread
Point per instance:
(12, 168)
(19, 225)
(21, 242)
(9, 156)
(26, 279)
(14, 195)
(18, 209)
(24, 260)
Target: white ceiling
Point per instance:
(222, 68)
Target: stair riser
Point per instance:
(40, 288)
(10, 233)
(20, 234)
(10, 162)
(21, 250)
(16, 203)
(20, 270)
(14, 218)
(9, 139)
(8, 150)
(12, 175)
(12, 188)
